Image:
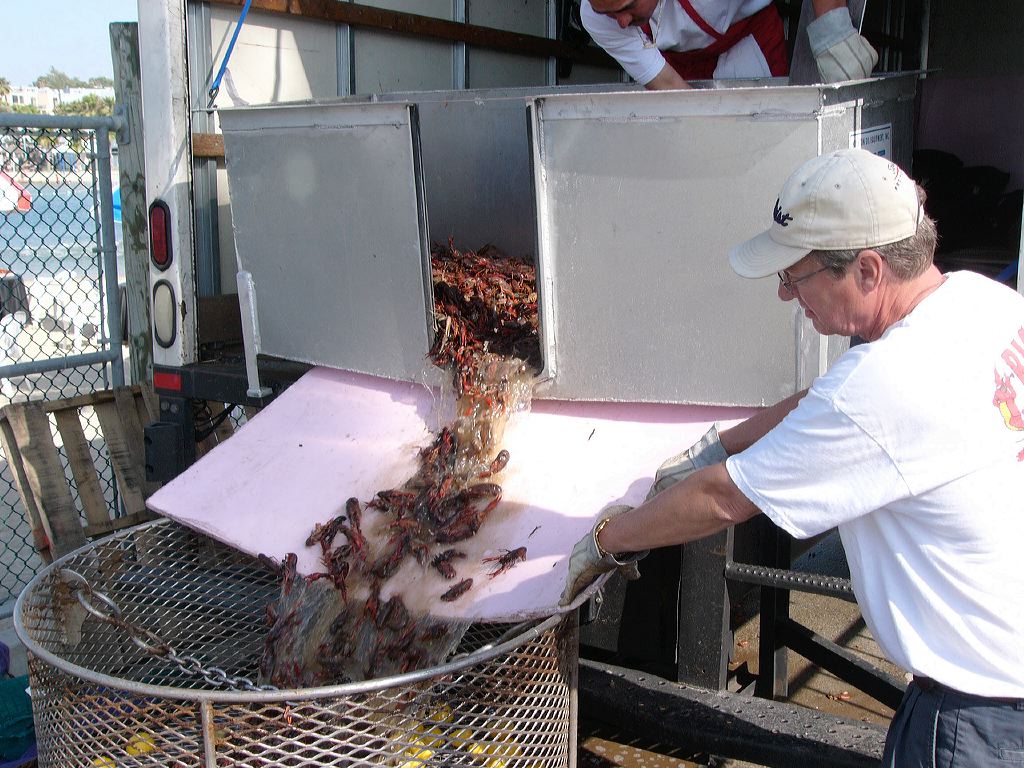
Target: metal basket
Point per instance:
(504, 699)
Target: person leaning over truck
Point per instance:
(663, 43)
(912, 444)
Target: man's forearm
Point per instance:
(702, 504)
(748, 432)
(666, 80)
(824, 6)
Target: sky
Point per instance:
(71, 35)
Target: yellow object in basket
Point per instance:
(140, 744)
(104, 762)
(418, 754)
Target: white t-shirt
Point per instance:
(678, 32)
(913, 445)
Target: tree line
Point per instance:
(87, 105)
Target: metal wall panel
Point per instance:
(328, 218)
(497, 69)
(640, 196)
(276, 58)
(476, 165)
(494, 69)
(383, 62)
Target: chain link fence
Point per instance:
(54, 286)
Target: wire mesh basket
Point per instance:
(505, 698)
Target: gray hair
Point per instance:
(906, 258)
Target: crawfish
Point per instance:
(354, 530)
(506, 560)
(497, 465)
(457, 591)
(467, 521)
(443, 562)
(464, 499)
(289, 570)
(324, 534)
(394, 615)
(394, 501)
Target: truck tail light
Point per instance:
(160, 235)
(165, 327)
(165, 380)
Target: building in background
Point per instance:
(46, 99)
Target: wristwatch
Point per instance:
(597, 532)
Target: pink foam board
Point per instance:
(335, 434)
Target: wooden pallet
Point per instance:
(46, 491)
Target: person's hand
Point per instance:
(587, 562)
(704, 453)
(839, 50)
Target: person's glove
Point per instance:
(587, 563)
(839, 50)
(704, 453)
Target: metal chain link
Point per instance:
(52, 305)
(149, 641)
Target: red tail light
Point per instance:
(163, 380)
(160, 234)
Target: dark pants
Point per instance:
(937, 727)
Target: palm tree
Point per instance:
(5, 89)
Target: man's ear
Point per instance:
(868, 268)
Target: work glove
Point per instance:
(839, 50)
(587, 563)
(706, 452)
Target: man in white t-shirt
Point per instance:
(663, 43)
(912, 445)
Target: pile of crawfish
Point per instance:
(483, 302)
(334, 626)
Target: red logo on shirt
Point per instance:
(1005, 398)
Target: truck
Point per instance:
(505, 125)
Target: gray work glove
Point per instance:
(839, 50)
(706, 452)
(586, 563)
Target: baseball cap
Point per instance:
(849, 198)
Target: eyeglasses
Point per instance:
(788, 282)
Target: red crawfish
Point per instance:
(467, 521)
(457, 591)
(443, 562)
(393, 501)
(289, 571)
(497, 465)
(506, 560)
(393, 614)
(354, 529)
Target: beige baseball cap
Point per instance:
(849, 198)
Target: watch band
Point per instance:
(597, 532)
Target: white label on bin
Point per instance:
(877, 140)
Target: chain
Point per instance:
(149, 641)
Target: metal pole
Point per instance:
(60, 363)
(97, 217)
(65, 122)
(108, 248)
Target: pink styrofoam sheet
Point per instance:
(334, 434)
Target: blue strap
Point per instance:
(215, 88)
(1008, 271)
